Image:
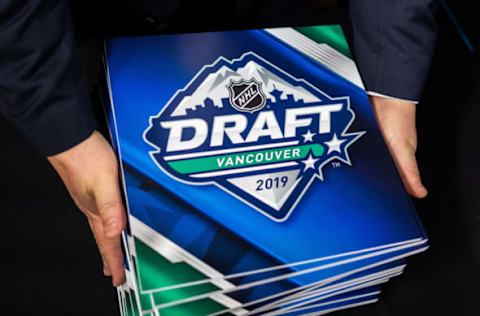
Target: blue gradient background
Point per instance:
(354, 208)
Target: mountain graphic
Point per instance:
(214, 87)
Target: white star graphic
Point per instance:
(308, 136)
(334, 144)
(309, 162)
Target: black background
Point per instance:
(49, 262)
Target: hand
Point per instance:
(89, 171)
(396, 119)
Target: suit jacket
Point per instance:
(394, 42)
(43, 91)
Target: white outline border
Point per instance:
(320, 173)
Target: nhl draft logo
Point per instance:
(253, 130)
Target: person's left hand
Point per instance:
(396, 119)
(90, 173)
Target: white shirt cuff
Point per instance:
(376, 94)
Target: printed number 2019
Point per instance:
(269, 183)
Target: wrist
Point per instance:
(93, 152)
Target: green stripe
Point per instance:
(135, 310)
(128, 304)
(328, 34)
(155, 271)
(246, 159)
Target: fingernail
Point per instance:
(105, 271)
(422, 191)
(118, 282)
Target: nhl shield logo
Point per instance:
(253, 130)
(246, 95)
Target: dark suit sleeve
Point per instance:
(394, 42)
(42, 88)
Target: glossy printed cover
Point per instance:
(252, 149)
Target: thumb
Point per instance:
(407, 165)
(110, 206)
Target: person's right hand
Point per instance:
(90, 173)
(396, 119)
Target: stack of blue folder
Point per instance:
(255, 177)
